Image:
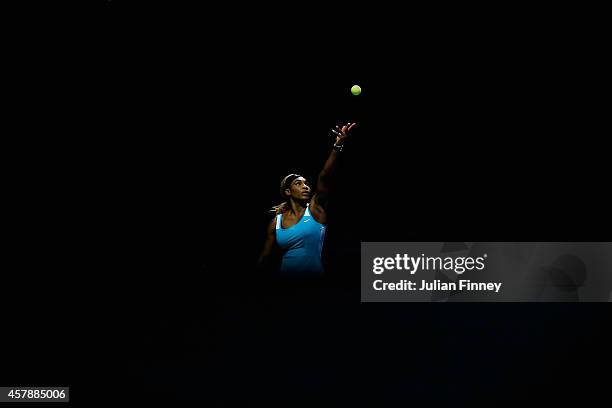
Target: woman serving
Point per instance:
(298, 229)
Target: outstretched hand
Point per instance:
(343, 132)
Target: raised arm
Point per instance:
(325, 176)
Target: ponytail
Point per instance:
(280, 208)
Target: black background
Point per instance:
(465, 133)
(460, 138)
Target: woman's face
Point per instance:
(299, 189)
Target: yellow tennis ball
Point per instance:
(356, 90)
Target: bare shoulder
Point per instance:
(272, 225)
(317, 210)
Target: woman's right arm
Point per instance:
(264, 257)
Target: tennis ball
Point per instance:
(356, 90)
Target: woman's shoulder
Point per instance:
(272, 224)
(318, 213)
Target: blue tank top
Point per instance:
(303, 246)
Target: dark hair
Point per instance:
(285, 184)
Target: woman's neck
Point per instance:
(297, 207)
